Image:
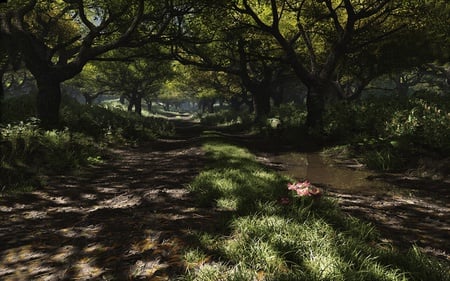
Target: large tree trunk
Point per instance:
(48, 102)
(138, 104)
(261, 103)
(249, 102)
(315, 106)
(88, 98)
(130, 105)
(402, 89)
(319, 91)
(211, 103)
(235, 103)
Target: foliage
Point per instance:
(227, 117)
(18, 108)
(28, 151)
(112, 124)
(269, 240)
(290, 115)
(424, 122)
(387, 130)
(287, 122)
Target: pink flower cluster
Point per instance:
(305, 189)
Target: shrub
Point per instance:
(226, 117)
(113, 124)
(27, 150)
(385, 130)
(423, 123)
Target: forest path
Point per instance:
(131, 217)
(126, 219)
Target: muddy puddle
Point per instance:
(408, 211)
(349, 176)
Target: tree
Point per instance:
(318, 37)
(4, 62)
(136, 80)
(9, 60)
(215, 41)
(57, 38)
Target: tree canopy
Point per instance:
(334, 48)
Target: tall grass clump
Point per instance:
(291, 239)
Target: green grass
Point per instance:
(264, 240)
(27, 151)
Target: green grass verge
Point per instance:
(28, 152)
(305, 240)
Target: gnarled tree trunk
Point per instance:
(48, 101)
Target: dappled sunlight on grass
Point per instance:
(297, 241)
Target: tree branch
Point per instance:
(334, 16)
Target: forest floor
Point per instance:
(415, 211)
(130, 217)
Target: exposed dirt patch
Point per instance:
(127, 219)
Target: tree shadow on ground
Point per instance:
(126, 219)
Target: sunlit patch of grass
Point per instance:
(269, 241)
(230, 204)
(235, 180)
(195, 258)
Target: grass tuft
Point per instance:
(265, 240)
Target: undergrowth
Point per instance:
(27, 151)
(385, 132)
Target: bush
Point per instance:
(385, 130)
(113, 124)
(226, 117)
(27, 151)
(290, 115)
(423, 123)
(18, 108)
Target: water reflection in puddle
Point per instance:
(313, 167)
